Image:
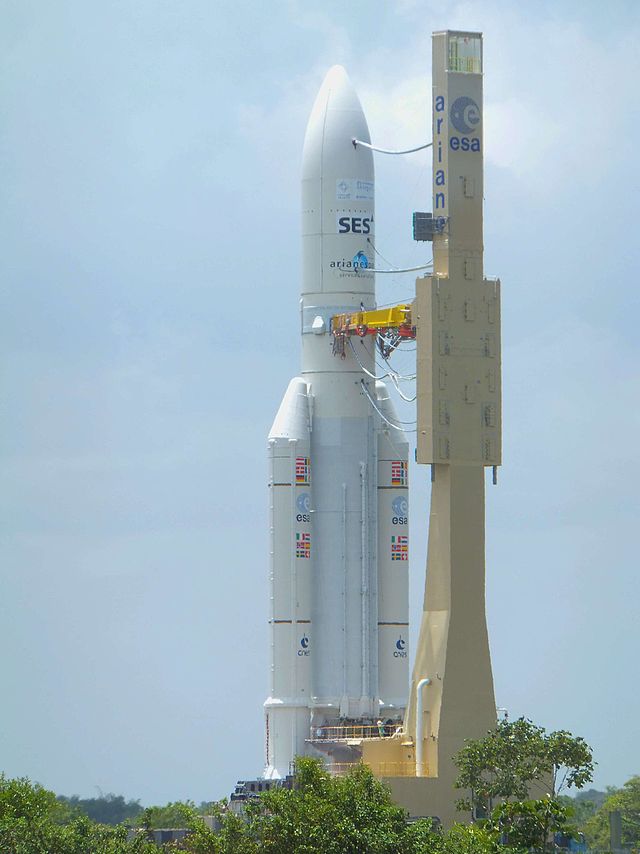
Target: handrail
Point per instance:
(354, 731)
(380, 769)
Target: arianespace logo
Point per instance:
(304, 646)
(358, 262)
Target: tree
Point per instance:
(353, 814)
(526, 825)
(332, 815)
(107, 809)
(33, 821)
(517, 758)
(469, 839)
(627, 801)
(174, 814)
(583, 806)
(233, 836)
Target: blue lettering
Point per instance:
(343, 223)
(439, 200)
(439, 103)
(464, 143)
(440, 178)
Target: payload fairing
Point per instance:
(338, 480)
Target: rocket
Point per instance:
(338, 474)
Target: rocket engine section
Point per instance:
(338, 480)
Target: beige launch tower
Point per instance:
(457, 318)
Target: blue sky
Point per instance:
(149, 274)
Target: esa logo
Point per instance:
(304, 646)
(354, 224)
(400, 650)
(465, 118)
(303, 505)
(400, 509)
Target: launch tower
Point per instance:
(458, 435)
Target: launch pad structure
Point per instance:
(339, 581)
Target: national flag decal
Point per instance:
(303, 545)
(400, 548)
(399, 473)
(303, 469)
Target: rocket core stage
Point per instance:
(338, 482)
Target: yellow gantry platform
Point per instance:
(397, 317)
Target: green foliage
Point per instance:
(332, 815)
(107, 809)
(34, 821)
(581, 809)
(627, 801)
(22, 799)
(469, 839)
(233, 837)
(517, 756)
(207, 807)
(593, 796)
(526, 825)
(353, 814)
(175, 814)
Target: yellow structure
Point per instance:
(457, 321)
(459, 434)
(370, 322)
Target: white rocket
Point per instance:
(338, 472)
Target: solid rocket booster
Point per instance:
(338, 477)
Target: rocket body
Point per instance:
(338, 478)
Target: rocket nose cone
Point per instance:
(335, 77)
(336, 119)
(337, 91)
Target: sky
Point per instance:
(149, 276)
